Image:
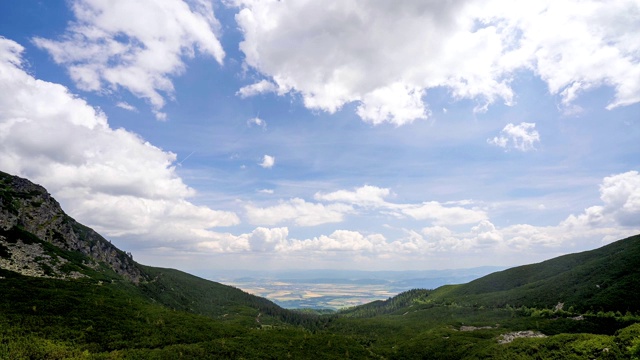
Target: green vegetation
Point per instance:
(579, 306)
(177, 315)
(604, 279)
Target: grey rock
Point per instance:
(29, 206)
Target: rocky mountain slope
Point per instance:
(29, 216)
(38, 239)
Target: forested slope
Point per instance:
(606, 279)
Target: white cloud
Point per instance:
(299, 211)
(443, 215)
(578, 45)
(397, 103)
(126, 106)
(457, 231)
(256, 121)
(263, 239)
(268, 161)
(363, 196)
(486, 234)
(374, 197)
(342, 202)
(621, 197)
(341, 240)
(109, 179)
(386, 56)
(221, 243)
(160, 220)
(261, 87)
(266, 191)
(521, 137)
(134, 45)
(615, 219)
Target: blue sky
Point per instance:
(246, 134)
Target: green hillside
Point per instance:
(88, 319)
(605, 279)
(68, 293)
(38, 239)
(181, 291)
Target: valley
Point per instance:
(315, 296)
(333, 289)
(83, 298)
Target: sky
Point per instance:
(371, 135)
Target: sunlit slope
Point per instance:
(606, 279)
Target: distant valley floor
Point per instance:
(334, 289)
(316, 296)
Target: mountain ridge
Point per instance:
(607, 278)
(73, 295)
(37, 238)
(28, 207)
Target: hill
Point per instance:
(68, 293)
(38, 239)
(606, 279)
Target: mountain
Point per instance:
(605, 279)
(38, 239)
(68, 293)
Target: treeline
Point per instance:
(185, 292)
(83, 319)
(392, 304)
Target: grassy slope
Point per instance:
(56, 319)
(606, 279)
(44, 318)
(177, 315)
(172, 288)
(181, 291)
(173, 315)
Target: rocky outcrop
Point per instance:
(33, 260)
(509, 337)
(29, 207)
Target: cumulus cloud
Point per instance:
(222, 243)
(298, 211)
(268, 161)
(333, 206)
(397, 103)
(452, 213)
(616, 218)
(443, 215)
(521, 137)
(455, 230)
(109, 179)
(364, 196)
(341, 240)
(620, 195)
(386, 56)
(134, 45)
(264, 239)
(261, 87)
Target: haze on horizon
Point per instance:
(369, 135)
